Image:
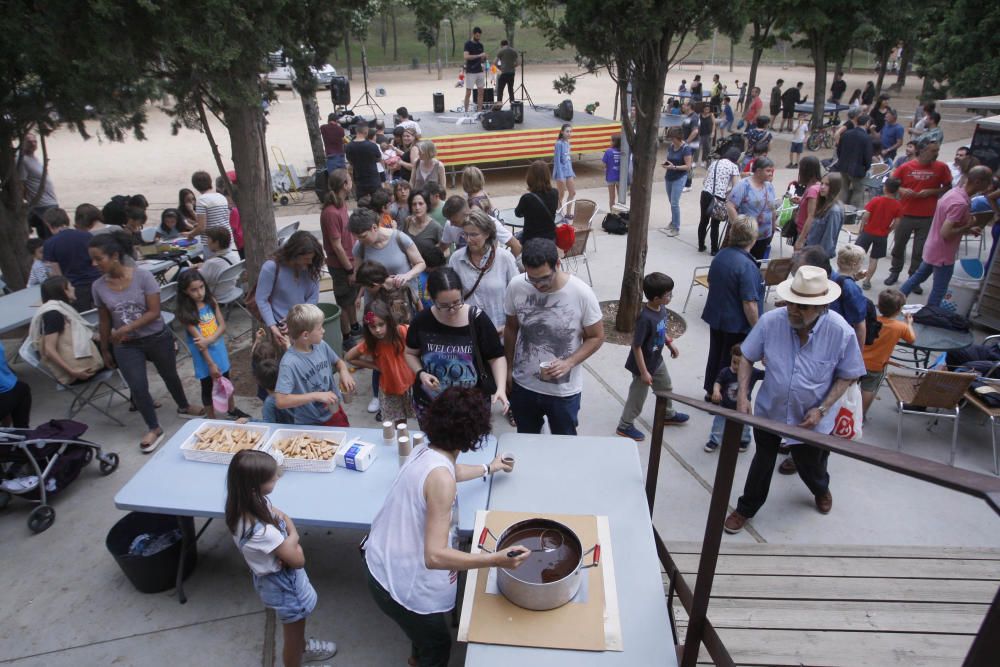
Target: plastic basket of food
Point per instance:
(307, 450)
(218, 441)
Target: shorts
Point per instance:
(288, 592)
(788, 113)
(796, 147)
(344, 291)
(870, 382)
(878, 244)
(475, 79)
(775, 111)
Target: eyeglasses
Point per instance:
(450, 307)
(541, 280)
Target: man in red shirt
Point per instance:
(753, 107)
(333, 144)
(922, 182)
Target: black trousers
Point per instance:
(705, 222)
(720, 345)
(16, 404)
(809, 461)
(430, 639)
(505, 80)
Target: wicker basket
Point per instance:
(306, 465)
(207, 456)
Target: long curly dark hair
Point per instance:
(298, 244)
(457, 420)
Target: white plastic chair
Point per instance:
(228, 293)
(168, 296)
(286, 232)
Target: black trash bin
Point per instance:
(156, 573)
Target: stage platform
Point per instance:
(468, 143)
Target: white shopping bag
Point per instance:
(849, 415)
(222, 389)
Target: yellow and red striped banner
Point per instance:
(503, 145)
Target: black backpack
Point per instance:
(615, 223)
(872, 326)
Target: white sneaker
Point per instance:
(686, 190)
(672, 232)
(373, 406)
(317, 650)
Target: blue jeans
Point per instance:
(531, 409)
(942, 276)
(719, 425)
(335, 162)
(674, 190)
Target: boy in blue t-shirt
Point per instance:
(612, 160)
(645, 358)
(725, 392)
(726, 126)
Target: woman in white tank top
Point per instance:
(412, 560)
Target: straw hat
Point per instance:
(809, 287)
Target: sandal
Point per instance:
(147, 447)
(187, 414)
(510, 418)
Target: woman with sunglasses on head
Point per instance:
(453, 344)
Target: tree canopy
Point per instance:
(962, 53)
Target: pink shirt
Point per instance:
(952, 207)
(812, 192)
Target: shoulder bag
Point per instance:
(486, 380)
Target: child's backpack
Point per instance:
(615, 223)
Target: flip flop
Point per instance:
(183, 414)
(150, 447)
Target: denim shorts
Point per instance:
(288, 592)
(796, 147)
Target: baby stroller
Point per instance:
(38, 463)
(735, 140)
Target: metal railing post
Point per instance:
(655, 448)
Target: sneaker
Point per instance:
(711, 447)
(734, 523)
(917, 289)
(631, 432)
(677, 419)
(789, 166)
(673, 232)
(236, 413)
(687, 189)
(891, 280)
(373, 405)
(867, 284)
(824, 503)
(317, 650)
(744, 446)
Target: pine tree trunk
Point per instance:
(649, 104)
(347, 49)
(883, 65)
(428, 60)
(454, 46)
(732, 53)
(246, 135)
(818, 48)
(216, 154)
(15, 263)
(395, 42)
(310, 109)
(754, 62)
(509, 26)
(437, 49)
(383, 25)
(904, 65)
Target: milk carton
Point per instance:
(356, 455)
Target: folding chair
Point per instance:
(927, 389)
(168, 296)
(286, 232)
(228, 293)
(700, 279)
(84, 393)
(990, 413)
(578, 253)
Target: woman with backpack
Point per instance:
(289, 278)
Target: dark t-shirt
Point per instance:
(837, 89)
(650, 336)
(68, 249)
(473, 48)
(333, 138)
(538, 211)
(729, 385)
(696, 91)
(364, 157)
(446, 352)
(790, 98)
(705, 126)
(53, 322)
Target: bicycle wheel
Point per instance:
(828, 139)
(813, 142)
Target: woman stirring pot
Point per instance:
(410, 552)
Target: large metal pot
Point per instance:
(551, 575)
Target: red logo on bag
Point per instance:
(844, 426)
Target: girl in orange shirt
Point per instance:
(384, 349)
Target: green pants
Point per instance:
(428, 633)
(639, 390)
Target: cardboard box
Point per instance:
(356, 455)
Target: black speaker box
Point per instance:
(438, 102)
(340, 90)
(564, 111)
(498, 120)
(487, 96)
(517, 108)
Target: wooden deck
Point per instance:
(851, 606)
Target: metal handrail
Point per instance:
(985, 646)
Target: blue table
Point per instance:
(18, 308)
(828, 108)
(589, 475)
(171, 484)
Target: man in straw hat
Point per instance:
(812, 358)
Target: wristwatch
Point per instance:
(822, 409)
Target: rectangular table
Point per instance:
(17, 308)
(589, 475)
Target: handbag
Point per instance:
(486, 380)
(849, 416)
(717, 208)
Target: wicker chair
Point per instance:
(775, 272)
(941, 391)
(584, 212)
(578, 253)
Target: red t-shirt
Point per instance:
(919, 177)
(397, 376)
(333, 138)
(753, 110)
(882, 211)
(333, 223)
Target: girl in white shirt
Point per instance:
(269, 542)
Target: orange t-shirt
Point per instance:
(397, 376)
(877, 354)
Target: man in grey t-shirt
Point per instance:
(553, 325)
(30, 169)
(507, 62)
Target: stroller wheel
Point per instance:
(88, 455)
(4, 499)
(109, 463)
(41, 518)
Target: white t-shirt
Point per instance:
(551, 327)
(800, 132)
(259, 550)
(720, 177)
(456, 235)
(215, 208)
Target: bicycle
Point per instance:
(823, 137)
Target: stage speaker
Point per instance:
(498, 120)
(487, 96)
(340, 90)
(438, 102)
(564, 111)
(517, 108)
